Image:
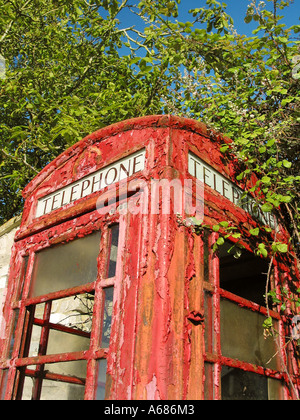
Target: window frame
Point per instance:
(214, 360)
(17, 364)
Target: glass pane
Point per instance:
(113, 251)
(27, 389)
(12, 341)
(35, 341)
(73, 369)
(65, 266)
(60, 382)
(3, 383)
(242, 336)
(36, 331)
(275, 390)
(242, 273)
(101, 380)
(60, 391)
(248, 386)
(63, 342)
(107, 316)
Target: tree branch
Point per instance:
(23, 161)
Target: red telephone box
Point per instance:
(118, 288)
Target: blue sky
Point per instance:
(236, 9)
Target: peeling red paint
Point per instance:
(157, 346)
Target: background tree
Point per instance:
(66, 76)
(73, 67)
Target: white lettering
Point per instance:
(115, 409)
(210, 177)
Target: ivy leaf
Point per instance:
(254, 232)
(287, 164)
(280, 247)
(267, 207)
(220, 241)
(268, 323)
(266, 180)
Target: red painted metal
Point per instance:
(157, 346)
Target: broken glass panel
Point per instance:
(3, 383)
(242, 273)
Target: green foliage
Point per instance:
(74, 66)
(284, 297)
(65, 78)
(248, 89)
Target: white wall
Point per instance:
(7, 234)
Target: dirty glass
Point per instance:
(59, 388)
(238, 385)
(113, 254)
(16, 313)
(66, 266)
(3, 383)
(63, 342)
(60, 391)
(72, 369)
(27, 388)
(242, 336)
(102, 365)
(58, 342)
(107, 315)
(35, 341)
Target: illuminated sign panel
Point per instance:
(96, 181)
(202, 171)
